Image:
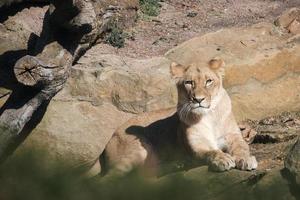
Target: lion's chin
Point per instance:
(200, 110)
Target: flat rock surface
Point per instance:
(226, 185)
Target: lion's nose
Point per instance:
(198, 99)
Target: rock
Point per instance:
(277, 129)
(192, 14)
(125, 10)
(215, 184)
(229, 185)
(221, 178)
(294, 27)
(268, 121)
(272, 185)
(290, 20)
(292, 162)
(274, 136)
(287, 17)
(133, 86)
(75, 132)
(20, 28)
(81, 119)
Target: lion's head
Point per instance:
(198, 86)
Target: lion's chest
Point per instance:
(208, 131)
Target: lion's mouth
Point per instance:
(197, 106)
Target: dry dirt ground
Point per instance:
(181, 20)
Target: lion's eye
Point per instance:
(189, 82)
(208, 82)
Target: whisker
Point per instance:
(184, 112)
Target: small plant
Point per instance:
(150, 7)
(115, 37)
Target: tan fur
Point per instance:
(204, 123)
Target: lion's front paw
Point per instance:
(222, 162)
(247, 163)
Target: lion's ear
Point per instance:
(177, 70)
(217, 64)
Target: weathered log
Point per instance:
(30, 71)
(12, 121)
(41, 70)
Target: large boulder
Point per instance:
(292, 162)
(75, 131)
(290, 20)
(17, 30)
(133, 86)
(261, 61)
(234, 184)
(81, 119)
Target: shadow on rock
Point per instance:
(293, 186)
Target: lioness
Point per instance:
(204, 124)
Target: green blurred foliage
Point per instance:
(32, 176)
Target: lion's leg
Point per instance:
(123, 154)
(217, 160)
(129, 160)
(207, 150)
(94, 170)
(239, 149)
(220, 161)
